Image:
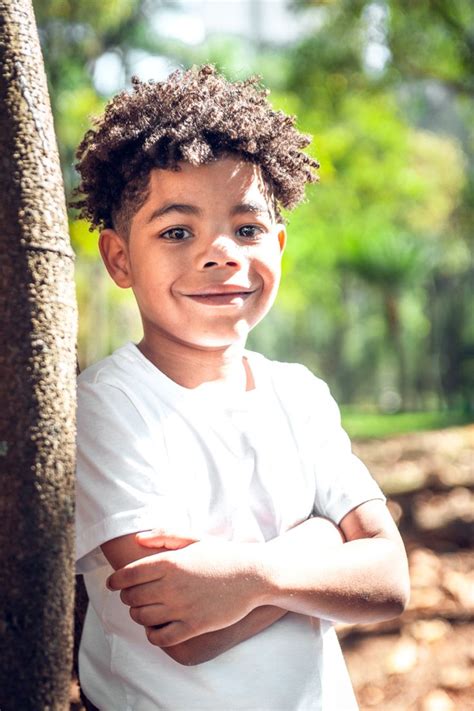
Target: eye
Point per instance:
(176, 234)
(250, 232)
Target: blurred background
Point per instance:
(378, 271)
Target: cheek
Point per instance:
(270, 269)
(152, 275)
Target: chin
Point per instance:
(215, 342)
(218, 344)
(224, 339)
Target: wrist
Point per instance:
(257, 570)
(266, 574)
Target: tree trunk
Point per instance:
(37, 383)
(392, 317)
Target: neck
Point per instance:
(191, 367)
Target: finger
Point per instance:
(146, 594)
(157, 538)
(167, 636)
(140, 571)
(150, 615)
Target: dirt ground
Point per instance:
(423, 661)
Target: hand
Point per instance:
(203, 587)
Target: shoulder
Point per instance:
(303, 395)
(112, 388)
(115, 369)
(125, 374)
(289, 376)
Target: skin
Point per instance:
(203, 258)
(211, 586)
(208, 645)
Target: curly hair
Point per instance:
(194, 116)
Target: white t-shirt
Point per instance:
(244, 467)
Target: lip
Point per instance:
(222, 295)
(222, 290)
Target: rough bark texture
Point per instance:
(37, 383)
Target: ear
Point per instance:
(281, 237)
(115, 255)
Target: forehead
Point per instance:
(222, 183)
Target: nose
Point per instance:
(221, 252)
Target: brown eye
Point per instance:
(176, 234)
(249, 232)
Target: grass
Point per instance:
(368, 425)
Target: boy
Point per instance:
(219, 486)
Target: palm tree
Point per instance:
(389, 263)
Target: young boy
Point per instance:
(218, 485)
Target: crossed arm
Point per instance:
(199, 600)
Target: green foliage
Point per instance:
(394, 205)
(388, 260)
(103, 16)
(434, 39)
(375, 276)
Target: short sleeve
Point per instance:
(120, 477)
(342, 480)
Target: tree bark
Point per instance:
(37, 383)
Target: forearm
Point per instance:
(202, 647)
(362, 580)
(205, 647)
(208, 646)
(211, 585)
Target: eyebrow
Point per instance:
(174, 207)
(242, 208)
(256, 208)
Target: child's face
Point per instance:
(203, 254)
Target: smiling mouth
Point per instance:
(224, 298)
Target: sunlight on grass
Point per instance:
(367, 425)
